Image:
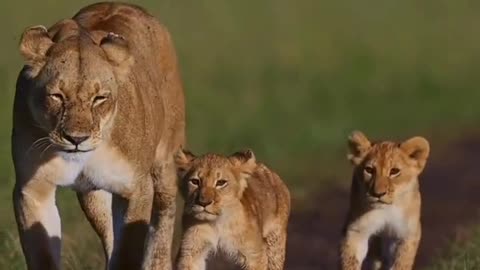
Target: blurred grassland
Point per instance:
(289, 79)
(462, 256)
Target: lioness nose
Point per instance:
(76, 140)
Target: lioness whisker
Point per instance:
(37, 144)
(46, 148)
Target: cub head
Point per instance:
(70, 83)
(210, 183)
(385, 170)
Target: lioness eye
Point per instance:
(195, 182)
(56, 97)
(394, 171)
(99, 99)
(369, 170)
(221, 183)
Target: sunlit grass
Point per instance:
(462, 256)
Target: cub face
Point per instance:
(210, 183)
(72, 92)
(386, 170)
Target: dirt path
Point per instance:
(450, 187)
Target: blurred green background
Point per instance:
(289, 79)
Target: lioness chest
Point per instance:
(104, 168)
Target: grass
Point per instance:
(287, 79)
(462, 256)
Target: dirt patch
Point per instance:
(450, 188)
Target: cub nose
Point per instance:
(76, 140)
(204, 202)
(377, 194)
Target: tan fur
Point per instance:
(99, 107)
(233, 205)
(384, 215)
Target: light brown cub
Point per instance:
(384, 216)
(235, 205)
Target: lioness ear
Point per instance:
(359, 146)
(183, 159)
(34, 45)
(116, 48)
(244, 161)
(418, 149)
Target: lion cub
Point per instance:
(384, 215)
(235, 205)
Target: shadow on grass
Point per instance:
(39, 247)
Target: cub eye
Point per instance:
(195, 182)
(221, 183)
(369, 170)
(99, 99)
(394, 171)
(56, 97)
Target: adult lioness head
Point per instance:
(210, 183)
(70, 82)
(386, 170)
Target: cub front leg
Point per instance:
(353, 249)
(195, 246)
(260, 262)
(38, 223)
(406, 252)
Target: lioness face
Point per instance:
(211, 183)
(386, 170)
(73, 90)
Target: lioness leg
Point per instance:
(97, 206)
(276, 242)
(159, 243)
(38, 223)
(353, 250)
(131, 217)
(406, 252)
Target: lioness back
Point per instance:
(154, 68)
(235, 205)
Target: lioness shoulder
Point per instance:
(235, 205)
(384, 214)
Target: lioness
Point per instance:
(235, 205)
(384, 215)
(99, 107)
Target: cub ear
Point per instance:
(183, 159)
(418, 149)
(245, 161)
(34, 45)
(359, 146)
(116, 48)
